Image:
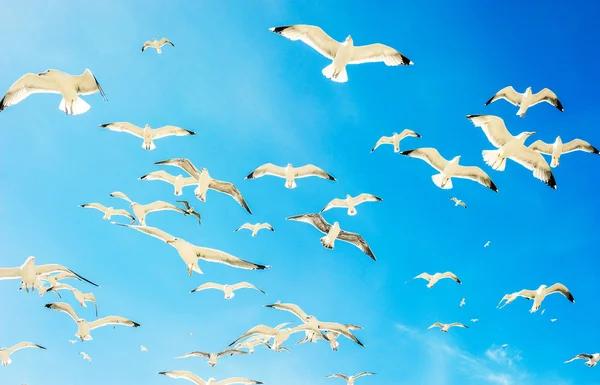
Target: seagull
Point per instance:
(5, 353)
(351, 202)
(395, 139)
(189, 210)
(147, 134)
(86, 357)
(538, 295)
(178, 182)
(55, 82)
(463, 302)
(486, 244)
(141, 211)
(81, 297)
(213, 357)
(289, 173)
(450, 169)
(73, 342)
(143, 349)
(206, 182)
(156, 44)
(349, 379)
(543, 311)
(227, 289)
(255, 228)
(190, 334)
(433, 279)
(458, 202)
(511, 147)
(558, 148)
(592, 359)
(554, 320)
(474, 320)
(253, 342)
(84, 328)
(108, 211)
(343, 53)
(29, 272)
(446, 327)
(191, 253)
(333, 232)
(211, 381)
(504, 345)
(278, 334)
(527, 99)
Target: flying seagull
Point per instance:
(349, 379)
(147, 134)
(527, 99)
(5, 353)
(486, 244)
(351, 202)
(558, 148)
(178, 182)
(86, 357)
(333, 232)
(255, 228)
(156, 44)
(458, 202)
(289, 173)
(211, 381)
(511, 147)
(73, 342)
(433, 279)
(141, 211)
(463, 302)
(450, 169)
(143, 349)
(474, 320)
(395, 139)
(343, 53)
(228, 290)
(84, 328)
(315, 337)
(108, 211)
(446, 327)
(554, 320)
(278, 334)
(80, 297)
(213, 357)
(55, 82)
(189, 210)
(592, 359)
(538, 295)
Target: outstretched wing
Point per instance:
(579, 145)
(316, 220)
(164, 41)
(245, 285)
(120, 195)
(208, 285)
(311, 35)
(171, 131)
(65, 308)
(23, 345)
(28, 84)
(312, 170)
(161, 206)
(335, 203)
(124, 127)
(184, 164)
(113, 320)
(509, 94)
(267, 169)
(152, 231)
(476, 174)
(184, 375)
(429, 155)
(290, 307)
(382, 140)
(377, 52)
(546, 95)
(358, 241)
(195, 354)
(562, 289)
(229, 189)
(493, 127)
(87, 84)
(217, 256)
(542, 147)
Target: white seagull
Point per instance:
(80, 297)
(189, 210)
(178, 182)
(446, 327)
(55, 82)
(538, 295)
(213, 357)
(486, 244)
(349, 379)
(147, 134)
(143, 349)
(228, 290)
(527, 99)
(343, 53)
(395, 139)
(108, 211)
(73, 342)
(333, 232)
(450, 169)
(84, 328)
(592, 359)
(463, 302)
(141, 211)
(289, 173)
(558, 148)
(156, 44)
(458, 202)
(511, 147)
(474, 320)
(433, 279)
(278, 334)
(86, 357)
(6, 352)
(554, 320)
(255, 228)
(211, 381)
(315, 337)
(351, 202)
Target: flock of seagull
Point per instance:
(49, 277)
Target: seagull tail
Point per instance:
(352, 212)
(555, 162)
(493, 159)
(328, 244)
(440, 181)
(336, 75)
(76, 107)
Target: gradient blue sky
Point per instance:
(254, 97)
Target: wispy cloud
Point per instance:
(503, 355)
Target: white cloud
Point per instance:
(503, 355)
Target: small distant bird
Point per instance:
(189, 210)
(395, 139)
(55, 82)
(343, 53)
(433, 279)
(143, 349)
(350, 379)
(149, 135)
(463, 302)
(527, 99)
(486, 244)
(458, 202)
(5, 353)
(255, 228)
(86, 357)
(190, 334)
(228, 290)
(592, 359)
(504, 345)
(543, 311)
(474, 320)
(211, 381)
(446, 327)
(178, 182)
(538, 295)
(141, 211)
(108, 211)
(333, 232)
(213, 357)
(554, 320)
(351, 202)
(156, 44)
(289, 173)
(73, 342)
(558, 148)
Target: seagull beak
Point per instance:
(532, 133)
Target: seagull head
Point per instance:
(349, 39)
(147, 126)
(456, 159)
(530, 133)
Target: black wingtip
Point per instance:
(330, 177)
(143, 177)
(551, 182)
(406, 61)
(2, 106)
(472, 116)
(489, 101)
(559, 106)
(458, 281)
(250, 176)
(279, 30)
(136, 325)
(192, 133)
(48, 305)
(163, 373)
(262, 267)
(418, 135)
(493, 187)
(408, 152)
(378, 198)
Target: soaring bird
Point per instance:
(213, 357)
(278, 333)
(255, 228)
(289, 173)
(395, 139)
(178, 182)
(228, 290)
(189, 210)
(463, 302)
(343, 53)
(351, 202)
(141, 211)
(211, 381)
(446, 327)
(147, 134)
(5, 353)
(433, 279)
(350, 379)
(458, 202)
(156, 44)
(86, 357)
(538, 295)
(527, 99)
(558, 148)
(591, 359)
(80, 297)
(109, 212)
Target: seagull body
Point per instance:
(527, 99)
(278, 334)
(592, 359)
(178, 182)
(450, 169)
(458, 202)
(350, 379)
(156, 44)
(141, 211)
(55, 82)
(433, 279)
(343, 53)
(211, 381)
(213, 357)
(289, 173)
(108, 211)
(538, 295)
(511, 147)
(5, 353)
(147, 134)
(189, 210)
(558, 148)
(228, 290)
(351, 202)
(445, 327)
(255, 228)
(395, 139)
(333, 232)
(463, 302)
(86, 357)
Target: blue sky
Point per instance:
(254, 97)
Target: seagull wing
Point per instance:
(562, 289)
(54, 268)
(186, 204)
(546, 95)
(229, 189)
(582, 356)
(10, 273)
(316, 220)
(338, 375)
(245, 285)
(146, 45)
(534, 161)
(208, 285)
(290, 307)
(87, 84)
(425, 276)
(161, 206)
(28, 84)
(120, 195)
(509, 94)
(458, 324)
(263, 330)
(124, 127)
(437, 324)
(164, 41)
(529, 294)
(159, 175)
(217, 256)
(96, 206)
(238, 380)
(383, 140)
(493, 127)
(65, 308)
(335, 203)
(23, 345)
(451, 275)
(91, 298)
(195, 354)
(476, 174)
(429, 155)
(363, 374)
(342, 329)
(358, 241)
(113, 320)
(542, 147)
(184, 164)
(171, 131)
(367, 198)
(184, 375)
(248, 226)
(152, 231)
(377, 52)
(407, 132)
(267, 169)
(231, 352)
(579, 145)
(311, 35)
(311, 170)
